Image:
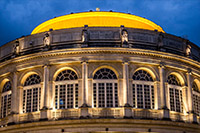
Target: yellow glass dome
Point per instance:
(97, 19)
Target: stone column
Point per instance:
(127, 107)
(126, 84)
(162, 87)
(46, 87)
(192, 116)
(20, 99)
(84, 106)
(45, 113)
(189, 92)
(15, 102)
(85, 83)
(163, 92)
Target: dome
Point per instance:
(97, 19)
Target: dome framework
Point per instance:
(99, 79)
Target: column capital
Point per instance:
(46, 65)
(161, 65)
(85, 61)
(189, 71)
(125, 62)
(14, 71)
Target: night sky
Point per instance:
(177, 17)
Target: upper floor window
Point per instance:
(143, 90)
(105, 88)
(66, 90)
(175, 93)
(196, 98)
(6, 99)
(32, 94)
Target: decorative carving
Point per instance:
(85, 36)
(16, 48)
(46, 40)
(188, 50)
(162, 65)
(124, 36)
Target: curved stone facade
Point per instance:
(100, 79)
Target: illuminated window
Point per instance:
(6, 99)
(175, 94)
(66, 90)
(196, 99)
(31, 94)
(143, 90)
(105, 88)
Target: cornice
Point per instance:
(82, 51)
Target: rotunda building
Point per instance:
(99, 72)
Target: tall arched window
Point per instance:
(105, 88)
(196, 98)
(66, 90)
(6, 99)
(143, 90)
(32, 94)
(175, 93)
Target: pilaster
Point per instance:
(163, 91)
(126, 84)
(85, 83)
(189, 92)
(46, 86)
(162, 86)
(15, 102)
(192, 116)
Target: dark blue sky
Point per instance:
(177, 17)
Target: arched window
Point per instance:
(66, 90)
(6, 99)
(32, 94)
(175, 93)
(143, 90)
(105, 88)
(196, 98)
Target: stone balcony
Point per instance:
(95, 113)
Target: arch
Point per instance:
(105, 73)
(179, 77)
(197, 82)
(142, 75)
(7, 87)
(148, 70)
(32, 79)
(106, 67)
(26, 74)
(63, 69)
(3, 83)
(66, 75)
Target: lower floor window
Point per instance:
(66, 96)
(105, 95)
(176, 101)
(5, 105)
(196, 103)
(31, 99)
(143, 96)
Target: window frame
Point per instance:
(105, 81)
(3, 95)
(141, 82)
(180, 90)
